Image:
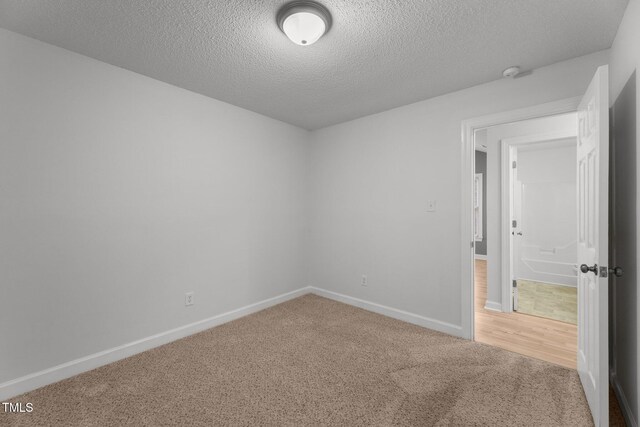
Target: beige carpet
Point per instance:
(549, 301)
(313, 361)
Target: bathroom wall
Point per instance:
(547, 249)
(559, 123)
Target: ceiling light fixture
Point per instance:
(304, 22)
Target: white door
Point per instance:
(593, 239)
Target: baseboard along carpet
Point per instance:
(315, 361)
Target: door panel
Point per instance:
(593, 170)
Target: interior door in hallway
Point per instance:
(593, 239)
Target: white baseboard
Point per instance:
(479, 256)
(57, 373)
(624, 403)
(416, 319)
(493, 306)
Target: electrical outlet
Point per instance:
(363, 281)
(188, 298)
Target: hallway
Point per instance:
(545, 339)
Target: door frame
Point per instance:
(467, 253)
(506, 147)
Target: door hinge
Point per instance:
(514, 284)
(604, 271)
(473, 244)
(513, 164)
(514, 223)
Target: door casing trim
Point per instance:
(468, 128)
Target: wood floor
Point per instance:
(545, 339)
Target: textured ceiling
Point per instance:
(379, 54)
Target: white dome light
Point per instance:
(304, 22)
(303, 28)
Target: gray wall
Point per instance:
(481, 167)
(624, 62)
(623, 230)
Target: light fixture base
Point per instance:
(303, 6)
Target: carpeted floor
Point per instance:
(314, 361)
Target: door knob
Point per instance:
(585, 268)
(616, 271)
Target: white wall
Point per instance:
(548, 248)
(119, 193)
(624, 97)
(371, 179)
(559, 123)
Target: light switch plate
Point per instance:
(188, 298)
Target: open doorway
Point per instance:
(525, 225)
(539, 224)
(592, 164)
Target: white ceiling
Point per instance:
(379, 54)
